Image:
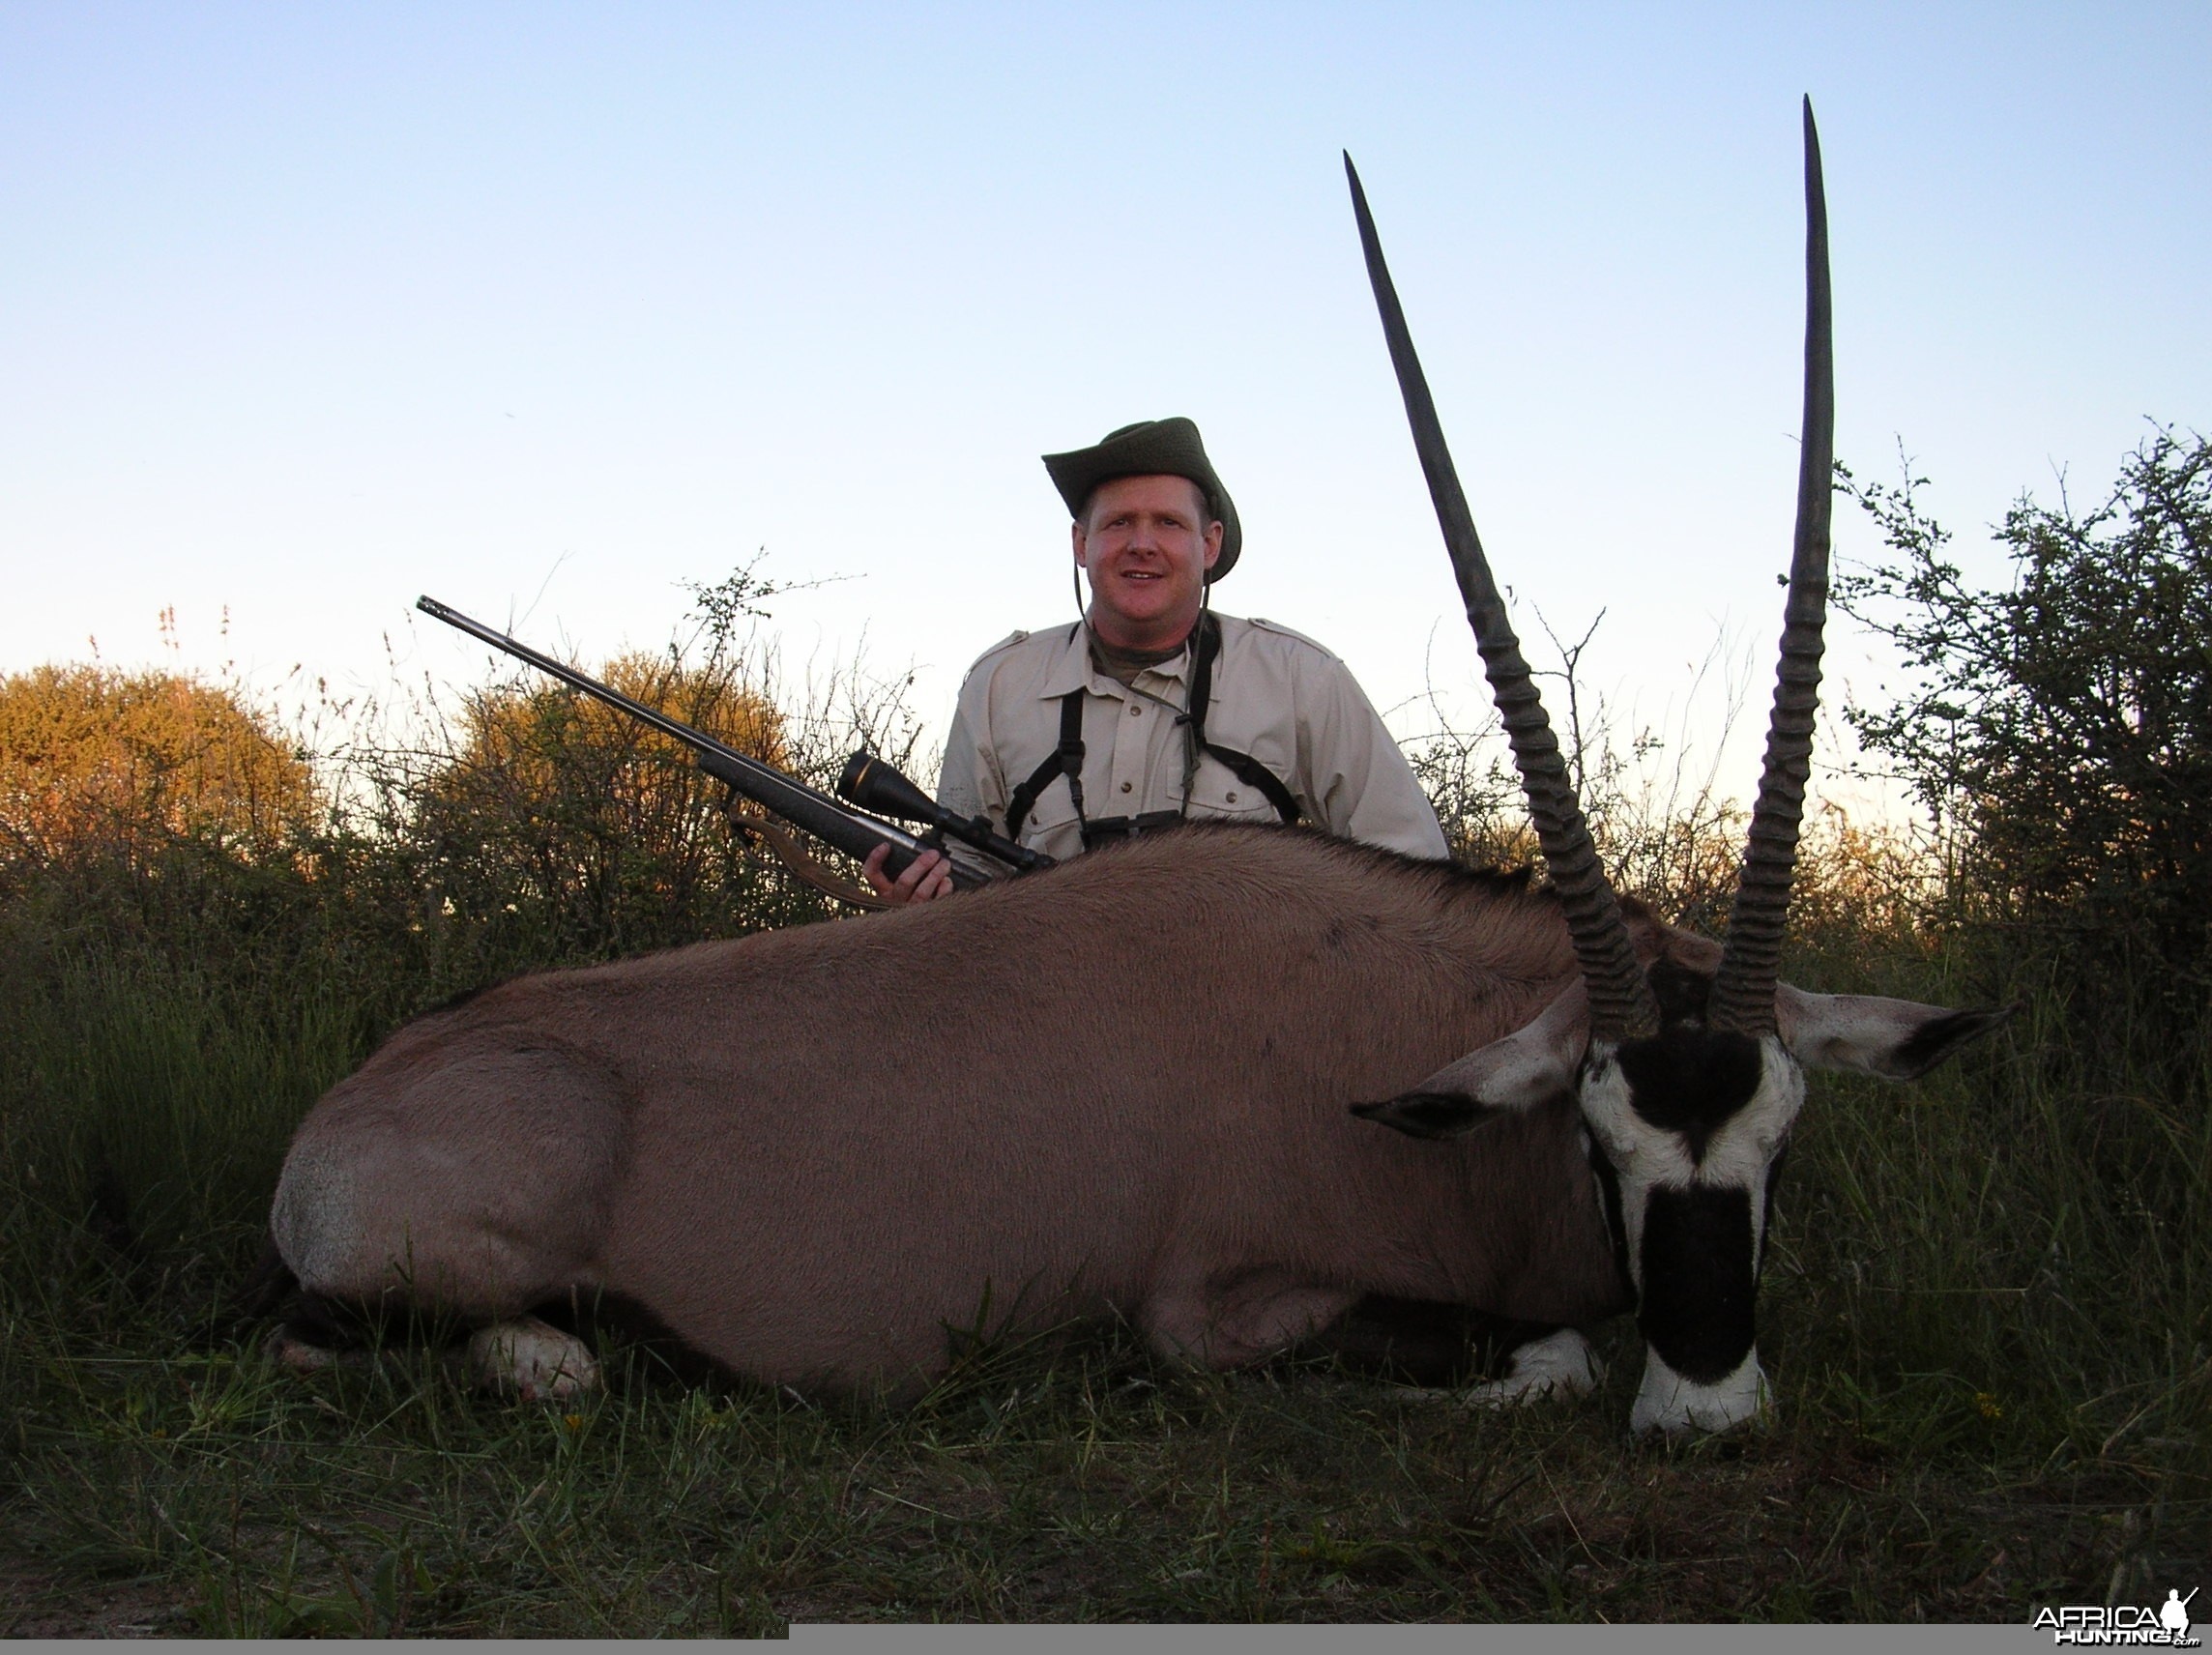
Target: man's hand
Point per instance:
(929, 877)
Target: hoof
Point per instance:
(527, 1359)
(1560, 1365)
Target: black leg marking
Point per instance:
(1416, 1341)
(1699, 1285)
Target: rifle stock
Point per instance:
(840, 826)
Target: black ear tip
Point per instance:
(1946, 1035)
(1972, 1025)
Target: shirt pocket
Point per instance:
(1218, 793)
(1052, 827)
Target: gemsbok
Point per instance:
(1136, 1085)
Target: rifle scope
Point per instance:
(873, 785)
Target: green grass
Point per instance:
(1985, 1314)
(1091, 1486)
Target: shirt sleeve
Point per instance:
(1359, 780)
(965, 777)
(971, 780)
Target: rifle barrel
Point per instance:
(853, 832)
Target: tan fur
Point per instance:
(1122, 1085)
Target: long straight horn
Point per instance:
(1743, 993)
(1620, 1000)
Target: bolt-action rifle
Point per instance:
(867, 782)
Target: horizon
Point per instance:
(314, 312)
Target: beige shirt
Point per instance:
(1278, 696)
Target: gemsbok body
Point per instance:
(1145, 1082)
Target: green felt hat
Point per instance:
(1151, 447)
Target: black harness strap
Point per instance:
(1066, 759)
(1242, 766)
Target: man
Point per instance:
(1152, 710)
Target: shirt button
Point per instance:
(1233, 798)
(1125, 787)
(1136, 712)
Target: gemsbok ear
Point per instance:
(1428, 1113)
(1531, 1064)
(1896, 1040)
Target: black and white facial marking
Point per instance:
(1686, 1133)
(1690, 1124)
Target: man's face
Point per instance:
(1146, 545)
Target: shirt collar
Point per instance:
(1072, 669)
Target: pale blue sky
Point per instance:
(307, 310)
